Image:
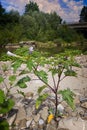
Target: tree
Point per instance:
(13, 16)
(83, 14)
(31, 7)
(2, 10)
(54, 20)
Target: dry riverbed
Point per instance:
(26, 118)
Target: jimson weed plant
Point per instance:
(59, 67)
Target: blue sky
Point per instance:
(68, 10)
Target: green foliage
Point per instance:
(68, 96)
(21, 82)
(67, 34)
(83, 14)
(40, 99)
(57, 66)
(4, 125)
(2, 97)
(42, 75)
(6, 104)
(1, 79)
(41, 89)
(31, 7)
(70, 73)
(30, 65)
(33, 25)
(12, 78)
(16, 65)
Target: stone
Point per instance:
(29, 95)
(68, 110)
(84, 105)
(44, 113)
(53, 123)
(20, 115)
(29, 112)
(28, 123)
(22, 124)
(11, 119)
(60, 108)
(72, 124)
(76, 100)
(41, 123)
(36, 117)
(50, 127)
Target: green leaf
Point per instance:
(21, 82)
(38, 103)
(12, 78)
(16, 65)
(30, 64)
(68, 96)
(2, 96)
(6, 106)
(24, 72)
(70, 73)
(1, 79)
(43, 75)
(40, 99)
(41, 89)
(53, 71)
(4, 125)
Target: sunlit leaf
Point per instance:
(16, 65)
(40, 99)
(1, 79)
(43, 75)
(30, 64)
(2, 96)
(41, 89)
(70, 73)
(12, 78)
(68, 96)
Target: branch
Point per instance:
(54, 81)
(35, 69)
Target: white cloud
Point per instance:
(71, 13)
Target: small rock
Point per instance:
(41, 123)
(77, 100)
(20, 115)
(68, 110)
(11, 119)
(50, 127)
(84, 105)
(29, 95)
(29, 112)
(28, 123)
(44, 113)
(36, 117)
(60, 108)
(72, 124)
(22, 124)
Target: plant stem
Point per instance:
(35, 69)
(56, 104)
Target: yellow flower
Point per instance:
(50, 117)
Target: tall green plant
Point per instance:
(59, 67)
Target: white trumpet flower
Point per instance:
(12, 54)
